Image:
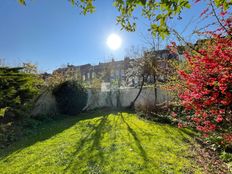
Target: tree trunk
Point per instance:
(118, 94)
(155, 89)
(118, 99)
(137, 96)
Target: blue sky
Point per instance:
(51, 33)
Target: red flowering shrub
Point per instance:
(208, 86)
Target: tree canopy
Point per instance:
(158, 12)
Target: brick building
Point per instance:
(112, 70)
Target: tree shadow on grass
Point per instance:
(136, 139)
(181, 136)
(97, 154)
(89, 149)
(144, 132)
(94, 136)
(49, 129)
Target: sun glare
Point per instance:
(114, 41)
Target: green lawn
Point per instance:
(101, 143)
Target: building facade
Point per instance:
(114, 71)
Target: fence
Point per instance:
(124, 97)
(46, 104)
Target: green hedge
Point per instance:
(71, 97)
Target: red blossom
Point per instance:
(219, 119)
(204, 12)
(208, 84)
(227, 137)
(223, 13)
(180, 125)
(173, 114)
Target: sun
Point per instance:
(114, 41)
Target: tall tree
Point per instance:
(17, 88)
(149, 65)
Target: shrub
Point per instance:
(17, 90)
(208, 89)
(157, 113)
(71, 97)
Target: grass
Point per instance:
(101, 143)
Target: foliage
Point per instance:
(147, 110)
(13, 131)
(172, 79)
(71, 97)
(205, 85)
(95, 83)
(206, 92)
(7, 134)
(108, 74)
(17, 88)
(104, 75)
(58, 77)
(151, 67)
(227, 157)
(103, 142)
(30, 68)
(158, 12)
(208, 87)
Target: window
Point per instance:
(83, 77)
(122, 73)
(117, 73)
(112, 73)
(93, 74)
